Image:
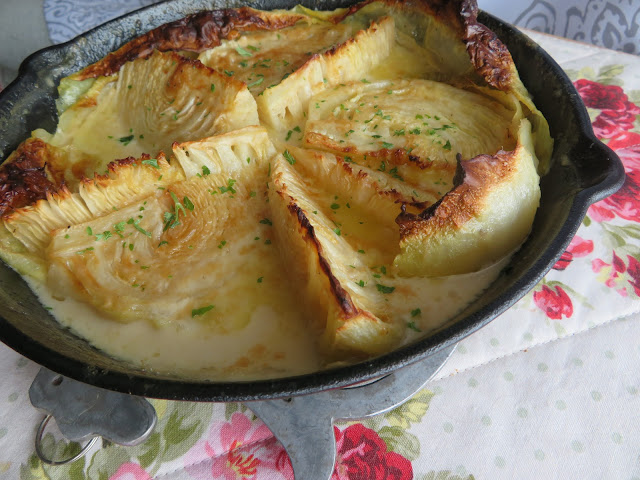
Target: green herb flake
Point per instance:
(153, 162)
(383, 269)
(89, 231)
(196, 312)
(260, 279)
(213, 87)
(415, 312)
(228, 73)
(447, 146)
(256, 83)
(337, 231)
(361, 283)
(126, 140)
(106, 235)
(384, 289)
(397, 133)
(335, 206)
(131, 246)
(82, 252)
(188, 204)
(163, 242)
(288, 157)
(252, 194)
(289, 133)
(364, 80)
(387, 145)
(205, 171)
(413, 327)
(137, 226)
(222, 244)
(267, 242)
(360, 251)
(266, 221)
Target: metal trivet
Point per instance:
(304, 424)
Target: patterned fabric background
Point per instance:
(614, 24)
(69, 18)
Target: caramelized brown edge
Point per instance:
(195, 32)
(473, 180)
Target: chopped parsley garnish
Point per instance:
(266, 221)
(252, 194)
(337, 231)
(360, 251)
(242, 51)
(260, 279)
(384, 289)
(288, 157)
(288, 135)
(106, 235)
(205, 171)
(383, 269)
(137, 226)
(413, 327)
(267, 242)
(387, 145)
(153, 162)
(81, 252)
(397, 133)
(416, 312)
(229, 73)
(335, 206)
(447, 146)
(201, 311)
(188, 204)
(229, 188)
(89, 231)
(364, 80)
(415, 131)
(126, 140)
(163, 242)
(222, 244)
(256, 83)
(361, 283)
(213, 87)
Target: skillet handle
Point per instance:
(304, 425)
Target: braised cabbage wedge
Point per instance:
(262, 194)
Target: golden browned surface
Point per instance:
(322, 165)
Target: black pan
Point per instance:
(583, 171)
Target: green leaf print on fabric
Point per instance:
(400, 441)
(411, 411)
(180, 425)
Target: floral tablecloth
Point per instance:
(551, 389)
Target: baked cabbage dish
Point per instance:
(244, 194)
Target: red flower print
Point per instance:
(623, 140)
(617, 114)
(597, 95)
(554, 303)
(239, 449)
(634, 272)
(362, 454)
(618, 275)
(625, 203)
(578, 247)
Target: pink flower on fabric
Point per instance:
(130, 471)
(555, 303)
(625, 203)
(238, 449)
(617, 114)
(619, 275)
(362, 454)
(578, 247)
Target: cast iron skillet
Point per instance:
(583, 171)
